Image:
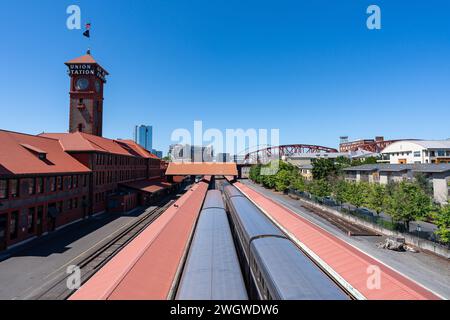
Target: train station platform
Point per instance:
(362, 275)
(149, 266)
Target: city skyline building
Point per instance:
(143, 135)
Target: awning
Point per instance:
(149, 186)
(202, 168)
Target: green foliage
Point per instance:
(298, 183)
(407, 202)
(340, 190)
(255, 173)
(324, 168)
(376, 199)
(357, 193)
(404, 201)
(283, 180)
(319, 188)
(442, 220)
(424, 183)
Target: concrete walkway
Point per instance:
(26, 270)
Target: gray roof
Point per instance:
(305, 166)
(386, 167)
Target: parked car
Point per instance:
(365, 212)
(330, 201)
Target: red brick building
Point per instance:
(41, 187)
(52, 179)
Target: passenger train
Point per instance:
(273, 266)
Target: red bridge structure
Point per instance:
(264, 155)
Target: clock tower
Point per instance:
(87, 79)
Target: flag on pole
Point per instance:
(87, 33)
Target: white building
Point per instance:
(417, 151)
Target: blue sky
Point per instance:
(310, 68)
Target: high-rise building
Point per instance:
(143, 135)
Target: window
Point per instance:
(75, 203)
(14, 188)
(60, 207)
(14, 225)
(441, 153)
(52, 183)
(31, 186)
(85, 180)
(40, 185)
(30, 220)
(3, 189)
(59, 183)
(75, 182)
(416, 153)
(70, 182)
(70, 204)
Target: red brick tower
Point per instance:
(87, 78)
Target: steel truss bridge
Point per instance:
(266, 154)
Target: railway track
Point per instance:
(90, 264)
(345, 226)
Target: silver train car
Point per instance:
(274, 267)
(212, 270)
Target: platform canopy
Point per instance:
(202, 168)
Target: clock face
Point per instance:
(97, 86)
(82, 84)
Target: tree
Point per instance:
(377, 197)
(407, 203)
(424, 183)
(323, 169)
(283, 180)
(357, 193)
(442, 220)
(320, 188)
(255, 172)
(298, 183)
(340, 190)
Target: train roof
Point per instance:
(212, 270)
(213, 200)
(294, 275)
(254, 222)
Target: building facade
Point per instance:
(417, 151)
(143, 135)
(437, 174)
(53, 179)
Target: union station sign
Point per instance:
(87, 69)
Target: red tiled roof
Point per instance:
(137, 148)
(202, 168)
(150, 186)
(18, 155)
(80, 142)
(87, 58)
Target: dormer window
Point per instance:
(42, 155)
